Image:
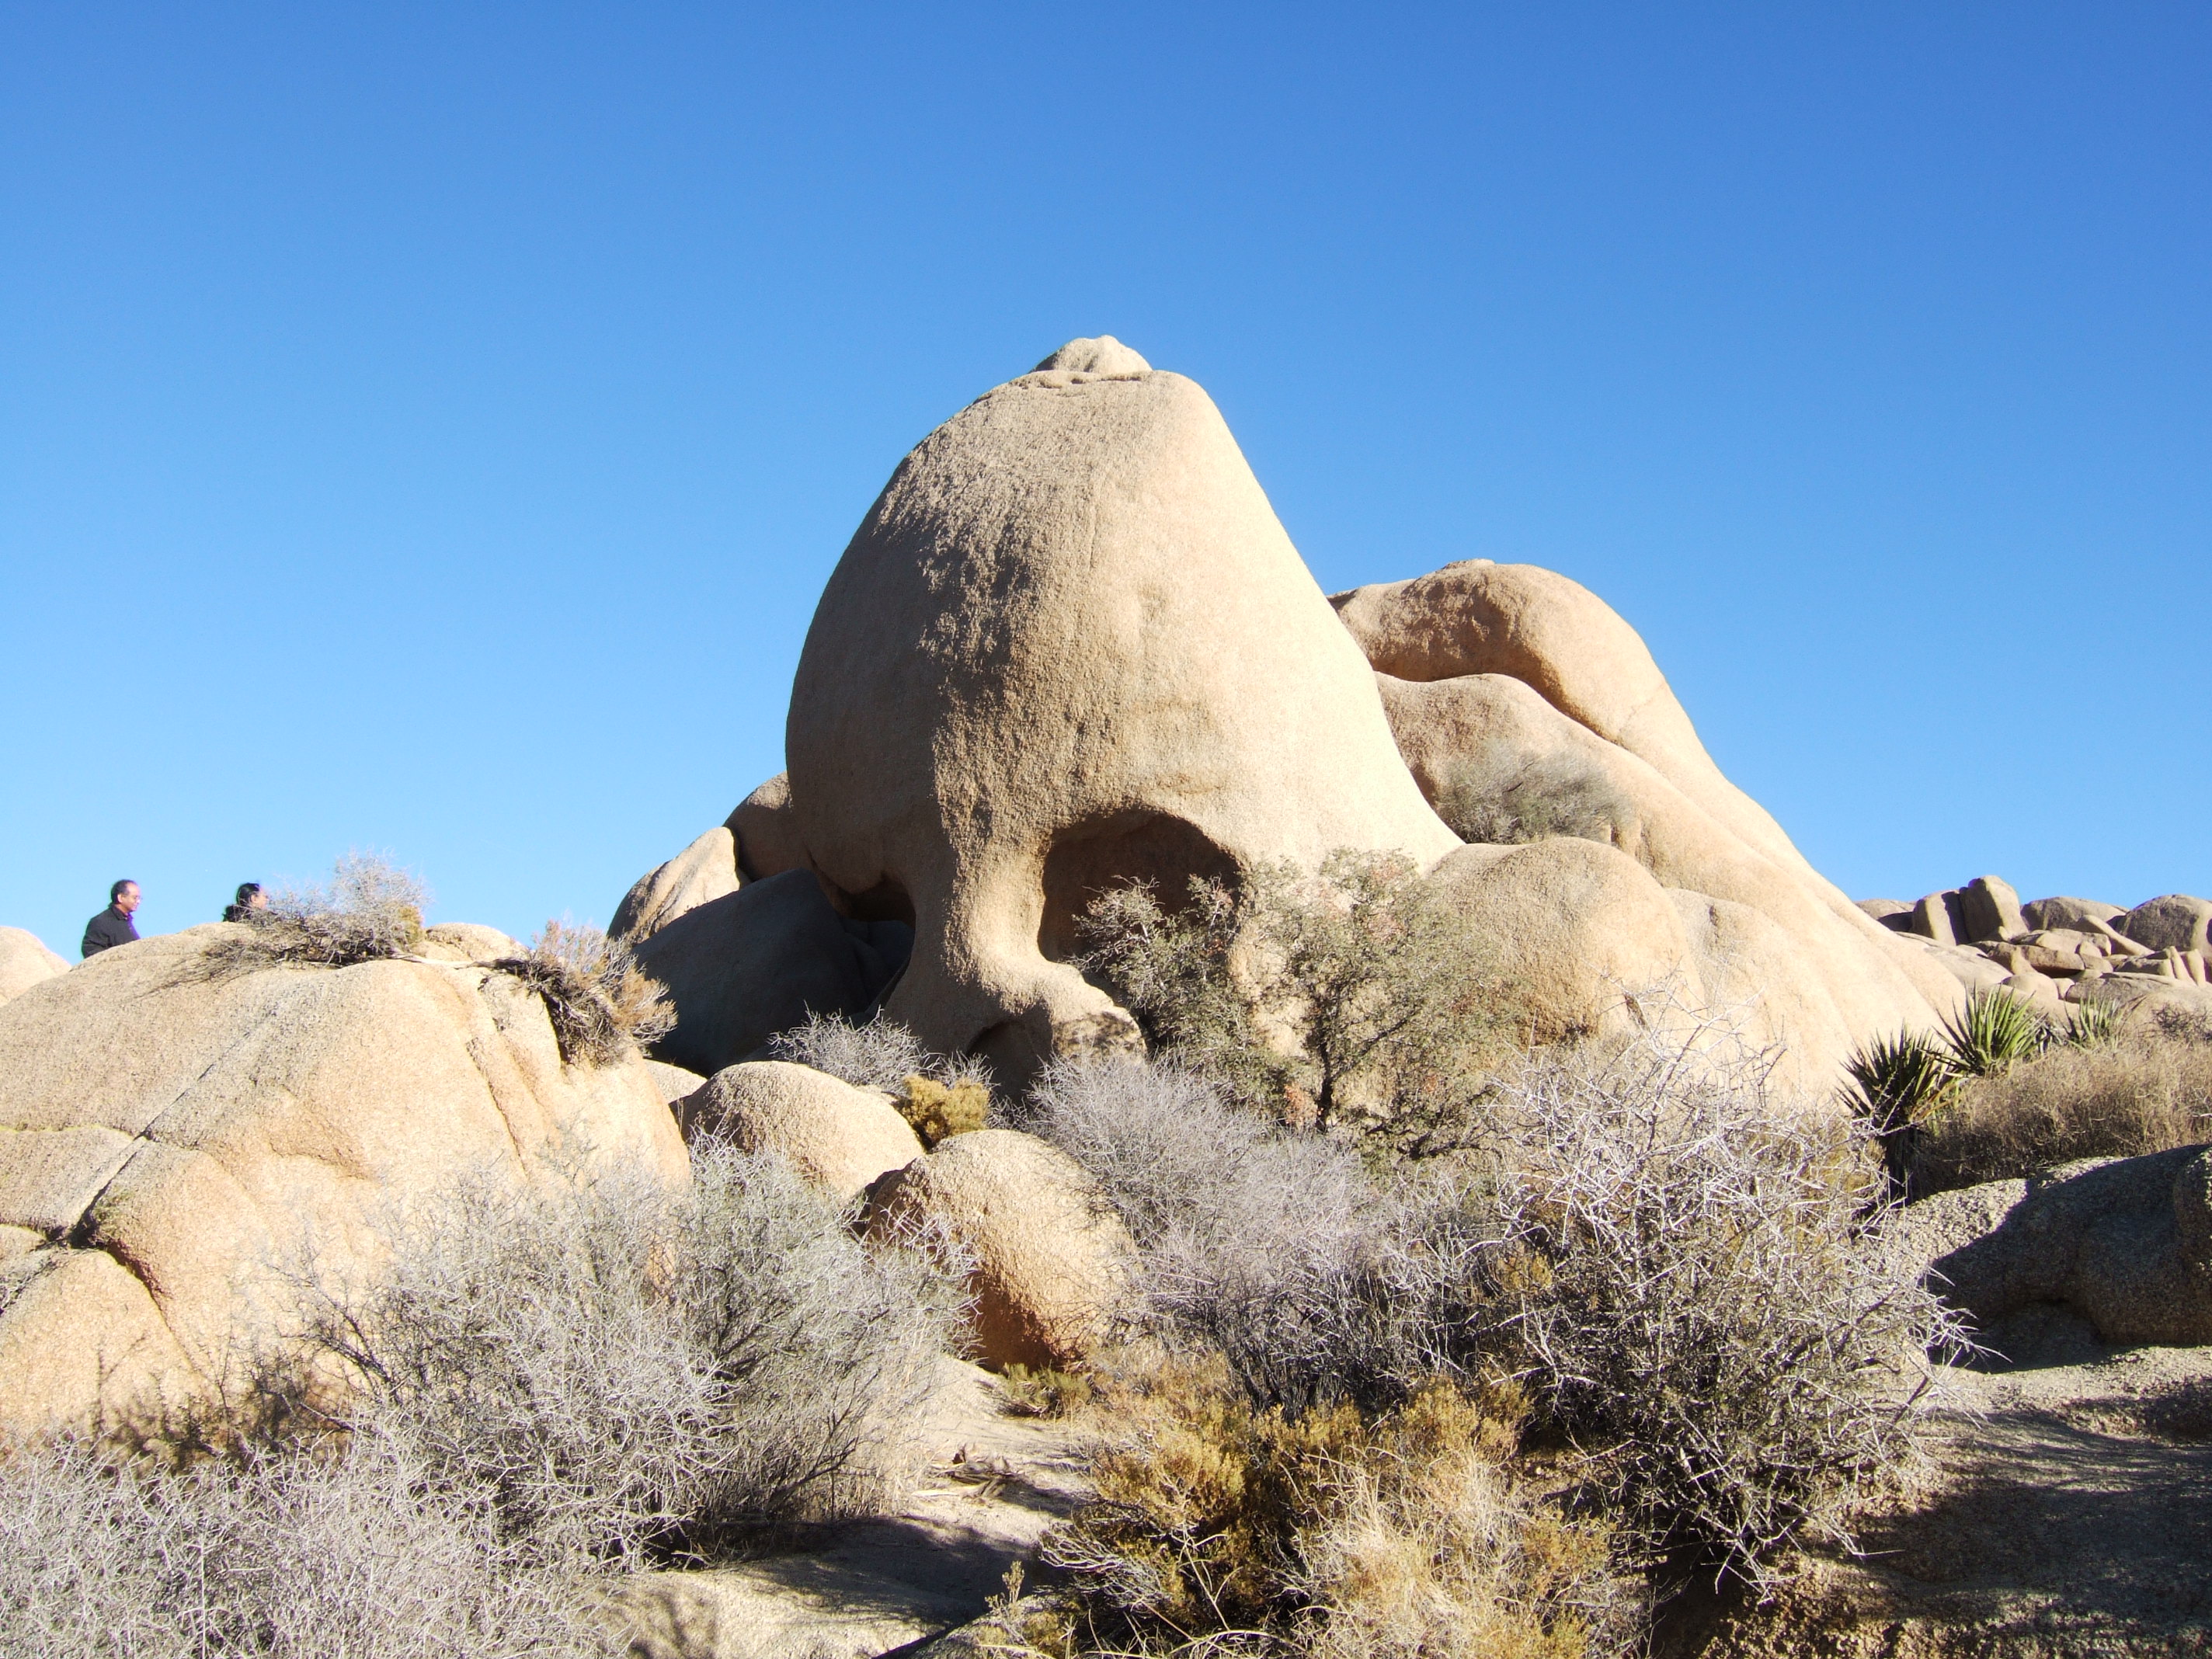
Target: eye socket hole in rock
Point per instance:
(1089, 859)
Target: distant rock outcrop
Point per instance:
(2056, 951)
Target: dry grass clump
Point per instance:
(369, 911)
(2000, 1092)
(1500, 796)
(356, 1555)
(2144, 1092)
(631, 1376)
(879, 1054)
(1221, 1528)
(604, 1008)
(1351, 998)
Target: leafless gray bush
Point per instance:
(881, 1054)
(1248, 1229)
(603, 1007)
(1680, 1279)
(1501, 795)
(294, 1557)
(370, 910)
(1650, 1247)
(632, 1374)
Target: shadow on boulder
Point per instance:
(741, 967)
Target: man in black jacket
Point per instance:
(112, 926)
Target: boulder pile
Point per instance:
(2060, 950)
(1071, 646)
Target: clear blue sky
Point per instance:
(427, 427)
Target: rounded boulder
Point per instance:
(839, 1137)
(1053, 1262)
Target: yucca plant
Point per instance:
(1897, 1084)
(1996, 1033)
(2094, 1024)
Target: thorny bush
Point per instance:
(1668, 1266)
(632, 1374)
(358, 1553)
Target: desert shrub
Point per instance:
(630, 1373)
(1896, 1085)
(2146, 1091)
(1995, 1030)
(1671, 1271)
(369, 910)
(879, 1054)
(1500, 795)
(1239, 1222)
(358, 1555)
(938, 1111)
(1047, 1392)
(603, 1007)
(1220, 1528)
(1936, 1106)
(1351, 998)
(1680, 1283)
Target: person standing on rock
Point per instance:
(250, 899)
(112, 926)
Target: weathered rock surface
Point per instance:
(174, 1141)
(754, 961)
(25, 961)
(839, 1137)
(1071, 643)
(1989, 910)
(767, 831)
(465, 941)
(703, 872)
(1052, 1261)
(2126, 1243)
(1527, 711)
(2174, 921)
(2064, 912)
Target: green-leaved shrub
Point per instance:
(1351, 998)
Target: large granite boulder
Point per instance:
(703, 872)
(1070, 645)
(2125, 1243)
(172, 1144)
(839, 1137)
(1528, 711)
(1052, 1263)
(741, 967)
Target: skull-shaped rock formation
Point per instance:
(1071, 644)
